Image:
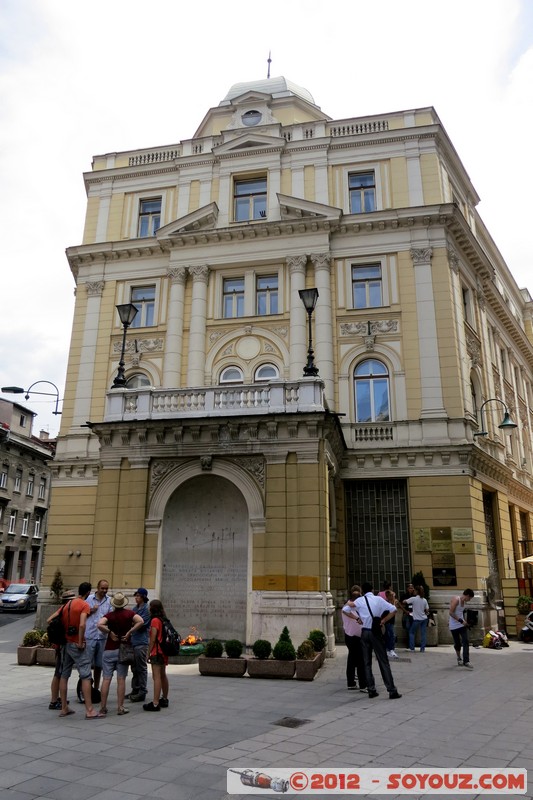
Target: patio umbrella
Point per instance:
(527, 559)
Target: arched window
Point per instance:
(136, 381)
(231, 375)
(266, 372)
(371, 389)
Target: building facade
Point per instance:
(244, 495)
(25, 479)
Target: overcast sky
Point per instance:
(87, 77)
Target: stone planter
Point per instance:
(270, 668)
(27, 656)
(307, 668)
(46, 656)
(224, 667)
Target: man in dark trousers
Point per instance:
(370, 607)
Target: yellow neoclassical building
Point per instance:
(244, 493)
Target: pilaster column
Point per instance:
(298, 324)
(432, 404)
(323, 339)
(174, 341)
(195, 367)
(84, 384)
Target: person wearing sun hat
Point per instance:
(55, 702)
(139, 640)
(118, 624)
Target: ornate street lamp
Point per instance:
(506, 424)
(309, 298)
(127, 313)
(27, 392)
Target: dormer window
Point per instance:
(250, 118)
(250, 199)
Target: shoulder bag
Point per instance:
(376, 628)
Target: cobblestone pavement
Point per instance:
(447, 717)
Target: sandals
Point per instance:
(103, 711)
(121, 711)
(94, 716)
(67, 713)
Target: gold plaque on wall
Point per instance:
(441, 534)
(422, 540)
(462, 534)
(442, 547)
(446, 560)
(463, 547)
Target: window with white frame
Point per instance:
(12, 520)
(25, 524)
(362, 191)
(266, 292)
(29, 488)
(143, 298)
(231, 375)
(3, 479)
(37, 527)
(18, 480)
(371, 389)
(137, 381)
(233, 298)
(367, 289)
(266, 372)
(42, 489)
(149, 216)
(250, 199)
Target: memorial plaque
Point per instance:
(441, 534)
(462, 534)
(442, 547)
(443, 560)
(422, 540)
(205, 558)
(444, 577)
(463, 547)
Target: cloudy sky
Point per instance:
(83, 78)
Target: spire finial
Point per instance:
(269, 62)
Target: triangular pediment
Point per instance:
(298, 208)
(249, 141)
(203, 219)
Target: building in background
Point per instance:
(25, 478)
(244, 495)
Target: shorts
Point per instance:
(160, 660)
(96, 648)
(73, 657)
(110, 664)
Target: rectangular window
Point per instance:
(143, 298)
(267, 295)
(37, 527)
(18, 480)
(233, 298)
(25, 524)
(149, 216)
(42, 489)
(366, 286)
(362, 190)
(250, 199)
(3, 479)
(23, 419)
(12, 521)
(467, 306)
(503, 362)
(29, 490)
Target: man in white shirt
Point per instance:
(370, 607)
(419, 609)
(95, 640)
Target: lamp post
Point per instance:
(309, 298)
(127, 313)
(27, 392)
(506, 424)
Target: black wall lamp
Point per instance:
(506, 424)
(309, 298)
(127, 313)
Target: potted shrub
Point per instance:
(319, 640)
(27, 651)
(46, 654)
(308, 661)
(282, 665)
(212, 661)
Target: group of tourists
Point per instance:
(368, 622)
(103, 637)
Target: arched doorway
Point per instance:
(204, 558)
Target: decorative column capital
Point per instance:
(480, 294)
(421, 255)
(95, 288)
(453, 260)
(200, 273)
(321, 260)
(177, 275)
(296, 264)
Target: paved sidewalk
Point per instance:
(447, 717)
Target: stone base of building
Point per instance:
(301, 612)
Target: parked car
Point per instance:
(19, 597)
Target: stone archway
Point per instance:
(204, 557)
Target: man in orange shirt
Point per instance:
(74, 617)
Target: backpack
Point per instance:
(56, 631)
(170, 639)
